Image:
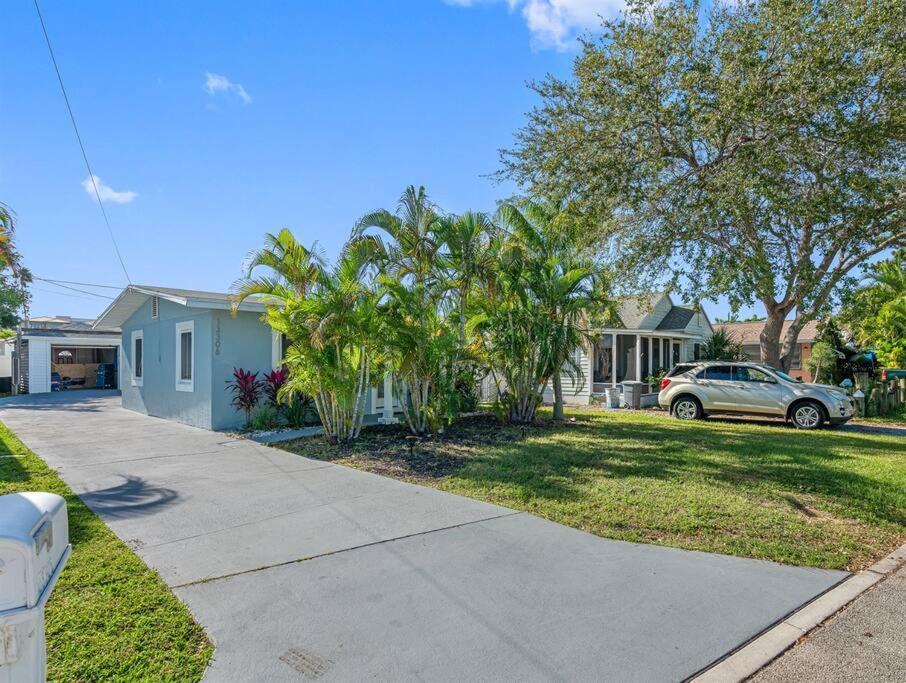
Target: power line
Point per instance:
(81, 145)
(70, 282)
(75, 289)
(56, 293)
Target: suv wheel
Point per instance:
(808, 415)
(687, 408)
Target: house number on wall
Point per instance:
(217, 338)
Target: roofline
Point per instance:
(189, 302)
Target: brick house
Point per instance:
(749, 333)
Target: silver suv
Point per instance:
(693, 390)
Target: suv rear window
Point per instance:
(681, 368)
(724, 372)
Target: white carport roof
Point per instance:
(132, 298)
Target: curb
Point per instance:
(765, 648)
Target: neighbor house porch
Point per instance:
(629, 355)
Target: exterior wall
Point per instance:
(576, 388)
(698, 326)
(157, 394)
(241, 342)
(38, 378)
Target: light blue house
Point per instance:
(179, 348)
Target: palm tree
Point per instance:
(418, 344)
(293, 269)
(564, 281)
(330, 317)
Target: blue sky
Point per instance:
(209, 126)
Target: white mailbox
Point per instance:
(34, 547)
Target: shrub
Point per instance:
(297, 411)
(246, 389)
(265, 417)
(722, 345)
(273, 380)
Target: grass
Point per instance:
(828, 499)
(896, 417)
(110, 616)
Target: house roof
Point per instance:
(750, 332)
(677, 318)
(632, 310)
(134, 296)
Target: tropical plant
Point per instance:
(271, 383)
(335, 334)
(735, 156)
(245, 388)
(14, 277)
(822, 362)
(876, 312)
(722, 345)
(264, 418)
(297, 409)
(562, 280)
(420, 349)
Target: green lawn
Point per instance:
(827, 499)
(110, 617)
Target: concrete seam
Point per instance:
(298, 560)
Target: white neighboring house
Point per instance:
(65, 353)
(653, 333)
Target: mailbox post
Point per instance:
(34, 548)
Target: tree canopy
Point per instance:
(755, 152)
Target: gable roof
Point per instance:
(134, 296)
(632, 310)
(750, 332)
(676, 319)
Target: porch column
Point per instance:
(613, 361)
(638, 358)
(387, 417)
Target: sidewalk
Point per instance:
(864, 642)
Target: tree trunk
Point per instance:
(790, 339)
(558, 396)
(770, 336)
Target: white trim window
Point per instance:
(138, 358)
(185, 356)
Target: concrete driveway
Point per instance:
(301, 569)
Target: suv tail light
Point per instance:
(665, 383)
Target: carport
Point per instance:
(65, 360)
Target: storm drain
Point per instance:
(305, 663)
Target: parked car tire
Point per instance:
(687, 408)
(807, 415)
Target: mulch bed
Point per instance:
(392, 451)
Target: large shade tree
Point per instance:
(757, 152)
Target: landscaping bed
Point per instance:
(828, 499)
(110, 617)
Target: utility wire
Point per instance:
(70, 282)
(81, 145)
(75, 289)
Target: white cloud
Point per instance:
(107, 193)
(215, 83)
(556, 23)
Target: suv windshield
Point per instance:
(782, 375)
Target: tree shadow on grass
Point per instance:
(557, 464)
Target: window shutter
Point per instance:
(155, 305)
